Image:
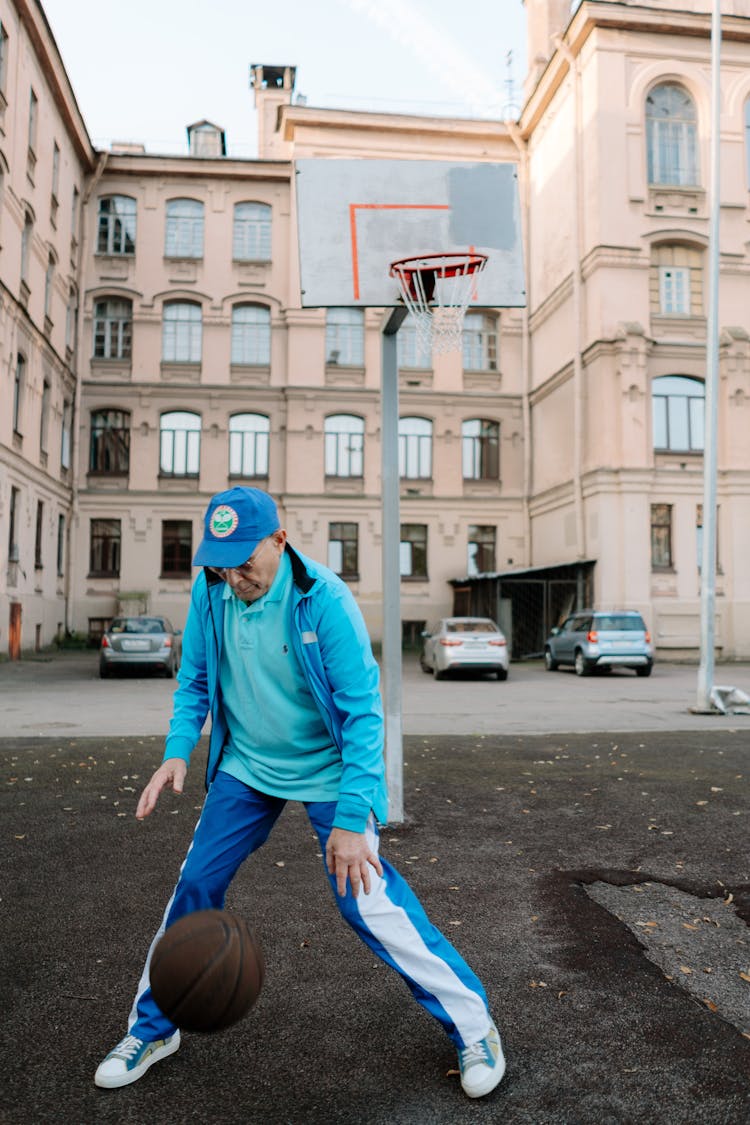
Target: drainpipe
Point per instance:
(523, 154)
(578, 416)
(72, 538)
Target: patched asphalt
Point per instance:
(503, 837)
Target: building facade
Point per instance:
(560, 449)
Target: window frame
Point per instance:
(113, 332)
(672, 145)
(484, 538)
(184, 234)
(182, 345)
(175, 449)
(118, 226)
(252, 234)
(249, 447)
(480, 452)
(671, 401)
(345, 535)
(415, 446)
(176, 548)
(107, 439)
(479, 346)
(662, 537)
(345, 337)
(344, 446)
(105, 549)
(414, 541)
(250, 336)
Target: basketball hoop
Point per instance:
(437, 289)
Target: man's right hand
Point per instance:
(172, 771)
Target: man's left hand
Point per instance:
(348, 855)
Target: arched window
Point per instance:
(113, 324)
(248, 445)
(345, 337)
(409, 347)
(182, 332)
(251, 236)
(109, 451)
(251, 335)
(672, 136)
(678, 412)
(415, 448)
(480, 449)
(116, 227)
(479, 340)
(184, 229)
(344, 445)
(179, 444)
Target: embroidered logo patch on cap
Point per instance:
(223, 521)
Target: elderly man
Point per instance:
(276, 649)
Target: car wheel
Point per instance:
(425, 667)
(643, 670)
(103, 672)
(439, 675)
(581, 664)
(502, 673)
(549, 662)
(169, 670)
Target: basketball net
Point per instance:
(437, 290)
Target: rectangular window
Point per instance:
(343, 549)
(251, 235)
(18, 390)
(116, 229)
(38, 533)
(674, 290)
(344, 453)
(104, 555)
(481, 551)
(413, 554)
(410, 349)
(65, 440)
(44, 418)
(661, 536)
(176, 548)
(33, 107)
(60, 545)
(15, 499)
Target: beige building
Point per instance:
(556, 459)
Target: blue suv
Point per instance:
(592, 640)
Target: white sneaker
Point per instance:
(131, 1058)
(482, 1064)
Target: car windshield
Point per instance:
(472, 625)
(620, 621)
(137, 625)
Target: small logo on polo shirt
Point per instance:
(223, 521)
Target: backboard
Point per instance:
(355, 217)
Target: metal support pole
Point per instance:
(708, 560)
(394, 754)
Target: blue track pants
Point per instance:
(235, 821)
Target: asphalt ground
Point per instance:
(509, 840)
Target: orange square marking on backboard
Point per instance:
(354, 207)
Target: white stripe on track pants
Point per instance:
(235, 821)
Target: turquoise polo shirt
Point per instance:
(278, 742)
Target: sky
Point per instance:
(144, 70)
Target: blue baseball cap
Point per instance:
(235, 523)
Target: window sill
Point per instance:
(181, 372)
(109, 256)
(250, 374)
(672, 199)
(678, 325)
(414, 578)
(111, 368)
(183, 576)
(344, 374)
(94, 574)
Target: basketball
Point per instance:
(207, 970)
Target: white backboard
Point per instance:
(355, 217)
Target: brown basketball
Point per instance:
(207, 970)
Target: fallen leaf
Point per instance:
(711, 1006)
(745, 976)
(686, 970)
(687, 926)
(728, 899)
(280, 863)
(448, 1073)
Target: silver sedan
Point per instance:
(464, 644)
(135, 641)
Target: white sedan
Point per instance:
(464, 643)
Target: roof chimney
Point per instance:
(273, 86)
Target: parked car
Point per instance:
(464, 643)
(591, 640)
(135, 641)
